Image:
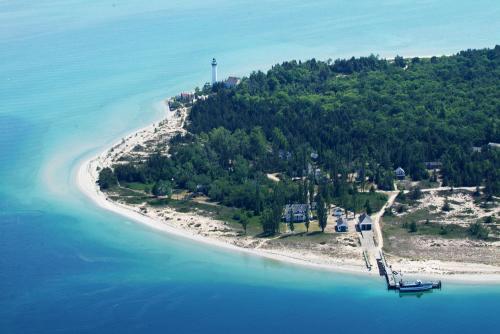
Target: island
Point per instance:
(341, 164)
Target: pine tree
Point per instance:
(322, 213)
(368, 207)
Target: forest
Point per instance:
(335, 129)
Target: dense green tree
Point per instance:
(399, 61)
(307, 224)
(360, 115)
(415, 194)
(322, 213)
(244, 223)
(368, 207)
(162, 188)
(291, 226)
(107, 178)
(446, 206)
(268, 222)
(478, 230)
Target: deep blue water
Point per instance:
(75, 75)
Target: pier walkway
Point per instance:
(372, 244)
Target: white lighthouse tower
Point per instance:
(214, 71)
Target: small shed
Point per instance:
(365, 222)
(400, 173)
(342, 225)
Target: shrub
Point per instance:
(479, 231)
(488, 220)
(415, 194)
(401, 208)
(162, 188)
(401, 196)
(446, 206)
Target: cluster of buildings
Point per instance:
(300, 213)
(479, 149)
(230, 82)
(430, 165)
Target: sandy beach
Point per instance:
(215, 233)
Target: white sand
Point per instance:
(87, 184)
(86, 181)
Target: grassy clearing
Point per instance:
(127, 196)
(131, 195)
(424, 224)
(133, 200)
(426, 184)
(219, 212)
(358, 201)
(146, 187)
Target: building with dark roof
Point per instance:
(232, 82)
(400, 173)
(365, 222)
(342, 225)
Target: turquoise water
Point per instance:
(76, 75)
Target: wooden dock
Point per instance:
(394, 278)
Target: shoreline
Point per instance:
(86, 177)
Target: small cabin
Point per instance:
(342, 225)
(400, 173)
(365, 222)
(296, 213)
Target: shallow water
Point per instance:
(77, 75)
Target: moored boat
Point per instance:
(415, 286)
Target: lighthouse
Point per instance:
(214, 71)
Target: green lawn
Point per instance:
(357, 201)
(137, 186)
